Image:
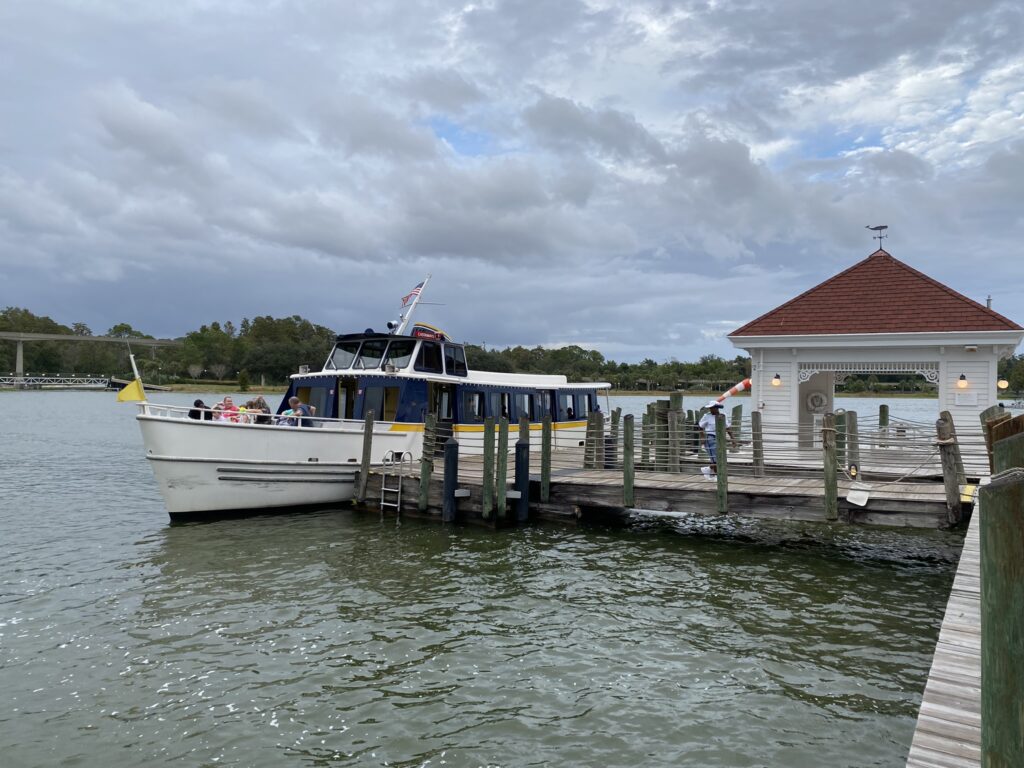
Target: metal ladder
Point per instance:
(394, 467)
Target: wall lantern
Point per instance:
(962, 382)
(1002, 384)
(776, 380)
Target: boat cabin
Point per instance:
(405, 378)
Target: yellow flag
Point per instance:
(132, 393)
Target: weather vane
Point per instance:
(879, 233)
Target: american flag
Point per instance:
(412, 294)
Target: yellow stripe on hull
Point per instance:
(534, 426)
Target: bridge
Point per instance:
(19, 380)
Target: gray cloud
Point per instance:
(628, 176)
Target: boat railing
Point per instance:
(245, 418)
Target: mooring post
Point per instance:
(427, 461)
(522, 475)
(736, 424)
(364, 465)
(757, 439)
(661, 435)
(524, 429)
(883, 425)
(451, 479)
(852, 441)
(645, 441)
(611, 453)
(599, 440)
(628, 473)
(545, 460)
(693, 444)
(501, 470)
(841, 438)
(947, 442)
(1002, 619)
(590, 442)
(828, 451)
(722, 451)
(675, 401)
(961, 476)
(487, 489)
(673, 441)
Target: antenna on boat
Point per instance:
(404, 318)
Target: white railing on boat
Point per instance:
(246, 418)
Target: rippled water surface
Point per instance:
(337, 639)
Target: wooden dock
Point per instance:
(948, 731)
(577, 493)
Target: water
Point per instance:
(336, 639)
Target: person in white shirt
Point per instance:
(707, 426)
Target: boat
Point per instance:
(221, 467)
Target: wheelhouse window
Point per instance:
(522, 405)
(429, 359)
(344, 353)
(455, 360)
(400, 353)
(566, 409)
(371, 354)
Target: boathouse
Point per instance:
(880, 316)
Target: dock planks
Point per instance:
(948, 733)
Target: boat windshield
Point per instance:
(372, 353)
(344, 353)
(400, 353)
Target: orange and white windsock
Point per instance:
(741, 387)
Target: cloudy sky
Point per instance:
(637, 177)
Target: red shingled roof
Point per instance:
(877, 295)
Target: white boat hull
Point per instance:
(205, 467)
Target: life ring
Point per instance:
(816, 402)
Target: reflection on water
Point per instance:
(334, 638)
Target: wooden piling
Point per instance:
(675, 401)
(451, 480)
(830, 461)
(852, 441)
(722, 463)
(673, 441)
(427, 461)
(661, 435)
(599, 440)
(645, 442)
(501, 468)
(961, 476)
(757, 438)
(883, 425)
(524, 429)
(545, 460)
(611, 457)
(487, 490)
(364, 465)
(736, 424)
(522, 478)
(590, 443)
(947, 443)
(1002, 620)
(841, 438)
(628, 473)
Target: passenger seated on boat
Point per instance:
(287, 418)
(199, 411)
(259, 410)
(569, 413)
(229, 410)
(302, 411)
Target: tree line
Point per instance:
(269, 349)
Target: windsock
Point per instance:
(741, 387)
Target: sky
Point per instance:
(639, 178)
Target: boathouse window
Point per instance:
(429, 359)
(400, 353)
(454, 360)
(472, 407)
(344, 353)
(372, 354)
